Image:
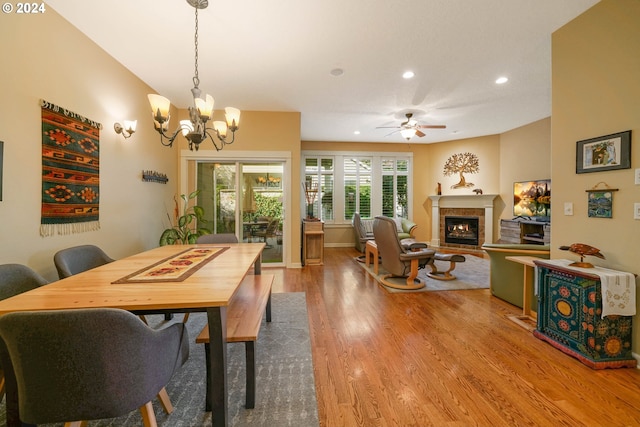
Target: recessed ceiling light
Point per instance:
(337, 72)
(502, 80)
(408, 75)
(357, 132)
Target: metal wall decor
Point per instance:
(459, 164)
(153, 176)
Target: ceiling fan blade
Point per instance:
(419, 133)
(389, 134)
(387, 127)
(431, 126)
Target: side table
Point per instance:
(371, 250)
(528, 318)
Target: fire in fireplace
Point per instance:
(461, 230)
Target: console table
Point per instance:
(569, 316)
(525, 231)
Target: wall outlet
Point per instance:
(636, 211)
(568, 208)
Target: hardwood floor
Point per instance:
(448, 358)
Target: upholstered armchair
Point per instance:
(406, 228)
(86, 364)
(396, 259)
(361, 232)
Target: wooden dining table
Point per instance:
(138, 283)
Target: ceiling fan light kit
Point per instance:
(410, 128)
(195, 129)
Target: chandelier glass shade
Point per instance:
(195, 129)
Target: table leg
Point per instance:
(218, 389)
(526, 292)
(257, 267)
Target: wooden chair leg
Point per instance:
(186, 317)
(148, 416)
(144, 319)
(76, 424)
(165, 401)
(1, 385)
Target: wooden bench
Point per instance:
(244, 316)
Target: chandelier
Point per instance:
(195, 129)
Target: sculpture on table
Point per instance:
(582, 250)
(310, 194)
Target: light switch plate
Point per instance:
(637, 176)
(636, 211)
(568, 208)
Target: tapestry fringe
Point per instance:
(57, 109)
(47, 230)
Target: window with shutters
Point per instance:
(369, 183)
(319, 174)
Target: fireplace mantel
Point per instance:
(482, 201)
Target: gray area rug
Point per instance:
(471, 274)
(285, 394)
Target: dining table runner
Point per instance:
(175, 268)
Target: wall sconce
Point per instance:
(127, 130)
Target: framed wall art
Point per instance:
(600, 201)
(609, 152)
(1, 160)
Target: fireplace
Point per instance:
(461, 230)
(462, 206)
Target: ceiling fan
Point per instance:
(410, 127)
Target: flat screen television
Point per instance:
(532, 199)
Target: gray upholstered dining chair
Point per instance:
(16, 279)
(87, 364)
(74, 260)
(77, 259)
(398, 260)
(217, 238)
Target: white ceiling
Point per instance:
(277, 56)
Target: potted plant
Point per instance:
(186, 231)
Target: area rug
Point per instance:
(471, 274)
(285, 393)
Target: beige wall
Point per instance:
(596, 66)
(524, 156)
(46, 58)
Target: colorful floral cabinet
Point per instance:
(569, 318)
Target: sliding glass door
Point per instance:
(245, 198)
